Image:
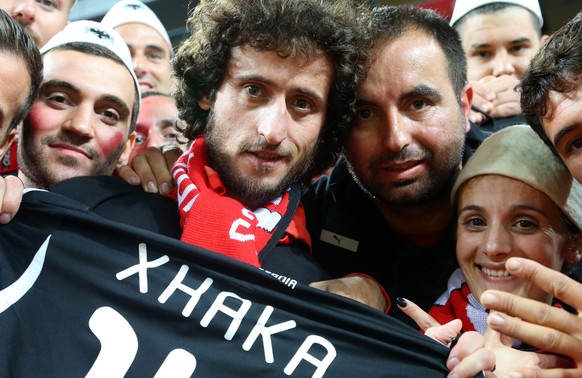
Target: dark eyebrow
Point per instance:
(470, 207)
(119, 102)
(562, 133)
(261, 79)
(520, 40)
(486, 45)
(59, 84)
(423, 90)
(156, 47)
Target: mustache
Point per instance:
(72, 140)
(406, 154)
(260, 145)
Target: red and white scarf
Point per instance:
(212, 220)
(459, 303)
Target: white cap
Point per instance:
(94, 33)
(129, 11)
(462, 7)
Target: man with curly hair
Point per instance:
(267, 90)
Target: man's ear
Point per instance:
(544, 39)
(124, 158)
(466, 98)
(205, 102)
(10, 138)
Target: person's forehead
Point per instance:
(515, 20)
(137, 33)
(158, 101)
(87, 71)
(412, 56)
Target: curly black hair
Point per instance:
(557, 67)
(289, 27)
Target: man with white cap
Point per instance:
(499, 38)
(41, 19)
(148, 43)
(82, 121)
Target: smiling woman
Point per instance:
(514, 198)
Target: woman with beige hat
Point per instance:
(514, 198)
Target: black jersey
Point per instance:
(84, 295)
(349, 235)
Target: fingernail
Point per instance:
(401, 302)
(164, 188)
(451, 363)
(4, 218)
(495, 319)
(488, 299)
(513, 265)
(133, 180)
(151, 187)
(516, 374)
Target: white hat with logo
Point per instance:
(462, 7)
(92, 32)
(134, 11)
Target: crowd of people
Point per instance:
(451, 198)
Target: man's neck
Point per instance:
(27, 182)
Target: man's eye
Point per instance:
(171, 137)
(139, 139)
(419, 104)
(253, 90)
(111, 115)
(576, 144)
(364, 114)
(517, 48)
(57, 98)
(303, 104)
(48, 3)
(154, 56)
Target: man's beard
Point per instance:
(252, 192)
(42, 174)
(435, 186)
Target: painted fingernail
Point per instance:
(401, 302)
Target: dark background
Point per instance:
(173, 13)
